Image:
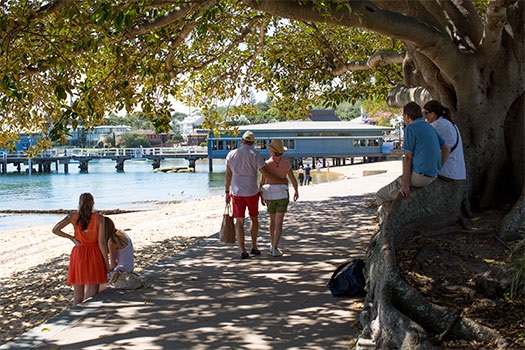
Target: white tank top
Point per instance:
(125, 261)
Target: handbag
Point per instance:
(227, 233)
(126, 280)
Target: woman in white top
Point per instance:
(121, 261)
(440, 118)
(275, 193)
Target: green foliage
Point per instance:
(379, 111)
(135, 121)
(517, 268)
(348, 111)
(110, 140)
(178, 116)
(83, 63)
(177, 136)
(114, 119)
(130, 140)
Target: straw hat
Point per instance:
(248, 136)
(277, 146)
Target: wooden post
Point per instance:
(120, 164)
(191, 161)
(83, 166)
(156, 163)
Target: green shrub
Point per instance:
(517, 268)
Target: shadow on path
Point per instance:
(205, 297)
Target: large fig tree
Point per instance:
(67, 63)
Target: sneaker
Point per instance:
(245, 255)
(277, 252)
(255, 251)
(271, 249)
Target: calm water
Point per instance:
(135, 188)
(138, 187)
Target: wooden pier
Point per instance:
(42, 163)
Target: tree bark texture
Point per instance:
(397, 316)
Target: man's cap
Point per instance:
(277, 146)
(248, 136)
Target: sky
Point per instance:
(260, 96)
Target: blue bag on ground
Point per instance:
(348, 280)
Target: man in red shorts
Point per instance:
(242, 189)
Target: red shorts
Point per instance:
(240, 203)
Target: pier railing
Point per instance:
(119, 152)
(44, 159)
(107, 152)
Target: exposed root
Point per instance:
(396, 315)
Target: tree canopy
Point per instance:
(130, 140)
(67, 62)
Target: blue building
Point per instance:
(24, 142)
(338, 140)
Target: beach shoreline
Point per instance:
(23, 248)
(34, 261)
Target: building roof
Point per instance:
(143, 132)
(308, 125)
(323, 115)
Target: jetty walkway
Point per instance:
(43, 161)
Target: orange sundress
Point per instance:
(86, 263)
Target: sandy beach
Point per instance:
(22, 249)
(34, 262)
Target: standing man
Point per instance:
(242, 165)
(307, 175)
(424, 154)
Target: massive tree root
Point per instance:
(514, 222)
(396, 315)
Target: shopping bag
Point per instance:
(126, 280)
(227, 233)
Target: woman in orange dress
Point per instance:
(88, 263)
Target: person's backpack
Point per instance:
(348, 280)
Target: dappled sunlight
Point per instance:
(205, 297)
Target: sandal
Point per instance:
(255, 252)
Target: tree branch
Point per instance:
(174, 44)
(400, 95)
(262, 36)
(425, 38)
(52, 7)
(169, 18)
(459, 19)
(380, 58)
(233, 44)
(496, 20)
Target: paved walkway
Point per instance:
(207, 298)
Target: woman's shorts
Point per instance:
(277, 205)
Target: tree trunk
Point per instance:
(396, 316)
(514, 222)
